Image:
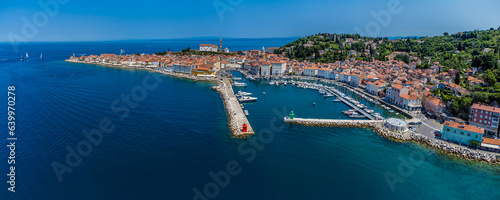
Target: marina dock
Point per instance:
(350, 104)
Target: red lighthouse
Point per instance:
(244, 128)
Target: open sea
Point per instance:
(174, 142)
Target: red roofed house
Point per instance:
(486, 117)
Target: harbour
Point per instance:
(185, 133)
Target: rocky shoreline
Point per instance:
(408, 136)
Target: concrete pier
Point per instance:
(330, 121)
(236, 115)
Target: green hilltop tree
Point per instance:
(490, 78)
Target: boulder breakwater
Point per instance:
(405, 136)
(236, 116)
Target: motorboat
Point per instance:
(328, 95)
(237, 78)
(239, 84)
(348, 112)
(369, 110)
(361, 106)
(244, 99)
(246, 112)
(241, 93)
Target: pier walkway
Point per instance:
(344, 121)
(237, 116)
(350, 104)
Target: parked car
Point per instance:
(437, 133)
(412, 123)
(418, 123)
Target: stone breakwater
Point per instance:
(233, 109)
(230, 112)
(380, 129)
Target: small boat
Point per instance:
(236, 78)
(271, 82)
(264, 93)
(239, 84)
(336, 100)
(348, 112)
(314, 103)
(369, 110)
(328, 95)
(22, 58)
(361, 106)
(391, 111)
(41, 56)
(244, 99)
(27, 56)
(246, 112)
(241, 93)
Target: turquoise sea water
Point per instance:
(173, 139)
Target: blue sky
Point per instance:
(86, 20)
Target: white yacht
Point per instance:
(361, 106)
(327, 95)
(239, 84)
(241, 93)
(244, 99)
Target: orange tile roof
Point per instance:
(485, 108)
(409, 97)
(397, 86)
(491, 141)
(465, 127)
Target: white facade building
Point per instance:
(278, 68)
(209, 47)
